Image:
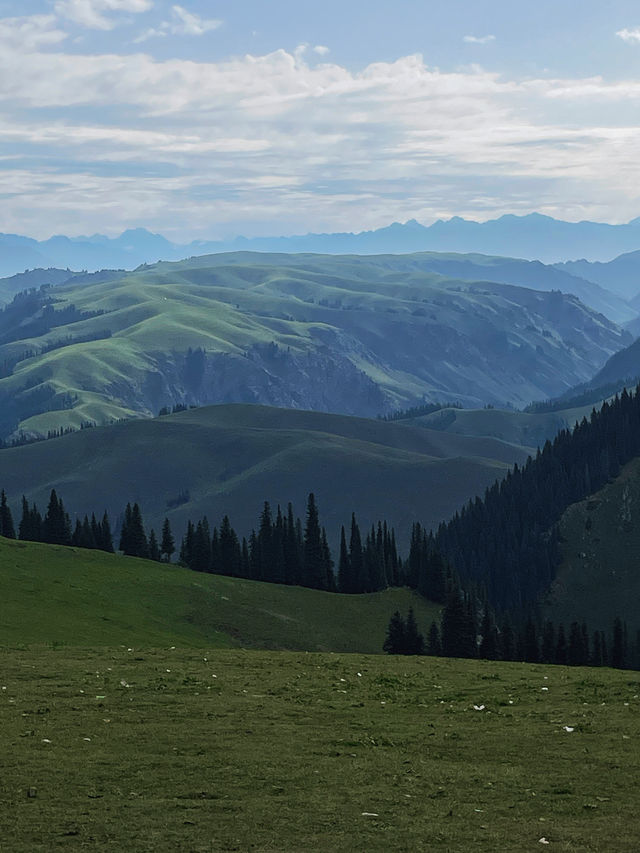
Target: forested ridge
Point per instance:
(507, 542)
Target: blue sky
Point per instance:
(204, 120)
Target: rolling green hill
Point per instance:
(349, 334)
(599, 578)
(229, 459)
(72, 597)
(530, 430)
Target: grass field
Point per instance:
(212, 750)
(74, 597)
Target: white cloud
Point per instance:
(31, 32)
(190, 24)
(478, 39)
(183, 23)
(93, 13)
(321, 50)
(630, 36)
(278, 143)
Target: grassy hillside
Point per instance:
(66, 596)
(232, 458)
(599, 578)
(349, 334)
(209, 750)
(530, 430)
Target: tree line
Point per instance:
(460, 634)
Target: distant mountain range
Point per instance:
(534, 237)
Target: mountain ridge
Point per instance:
(532, 236)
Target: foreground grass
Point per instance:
(192, 750)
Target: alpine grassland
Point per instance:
(203, 749)
(76, 597)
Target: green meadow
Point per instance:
(185, 749)
(67, 596)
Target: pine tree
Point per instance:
(548, 651)
(330, 578)
(133, 539)
(577, 655)
(489, 645)
(154, 550)
(167, 545)
(356, 558)
(458, 630)
(395, 641)
(618, 651)
(107, 539)
(315, 569)
(561, 646)
(125, 532)
(56, 524)
(414, 641)
(344, 565)
(6, 519)
(434, 646)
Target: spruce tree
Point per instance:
(458, 629)
(125, 532)
(344, 565)
(56, 524)
(315, 569)
(489, 645)
(561, 646)
(395, 642)
(6, 519)
(107, 539)
(414, 641)
(434, 646)
(154, 549)
(167, 544)
(356, 558)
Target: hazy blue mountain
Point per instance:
(533, 274)
(620, 276)
(30, 279)
(533, 237)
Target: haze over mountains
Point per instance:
(533, 237)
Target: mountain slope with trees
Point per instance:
(227, 460)
(349, 334)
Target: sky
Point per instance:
(206, 120)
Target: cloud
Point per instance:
(31, 32)
(321, 50)
(478, 39)
(92, 14)
(190, 24)
(183, 23)
(630, 36)
(276, 142)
